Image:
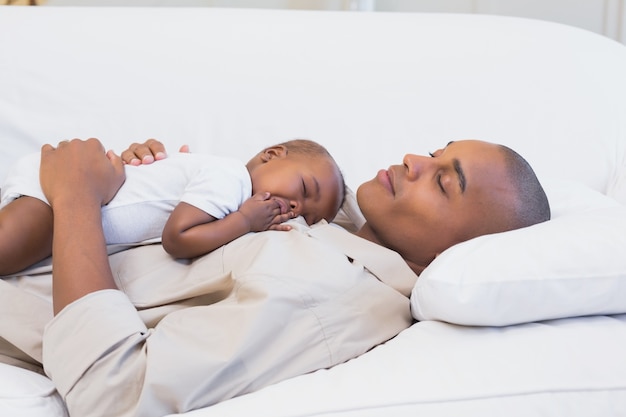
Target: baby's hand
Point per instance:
(266, 213)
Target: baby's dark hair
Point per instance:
(532, 204)
(312, 148)
(306, 146)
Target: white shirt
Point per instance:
(139, 210)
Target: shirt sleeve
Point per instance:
(105, 362)
(100, 329)
(23, 179)
(219, 188)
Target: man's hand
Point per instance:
(146, 153)
(79, 170)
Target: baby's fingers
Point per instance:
(278, 223)
(282, 227)
(283, 217)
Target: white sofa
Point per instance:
(525, 323)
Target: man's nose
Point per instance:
(416, 165)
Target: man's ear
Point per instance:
(273, 152)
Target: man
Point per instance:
(266, 307)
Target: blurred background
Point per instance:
(605, 17)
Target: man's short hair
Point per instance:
(531, 206)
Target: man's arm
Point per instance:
(78, 178)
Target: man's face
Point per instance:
(429, 203)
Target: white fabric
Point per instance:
(554, 368)
(27, 394)
(573, 265)
(139, 210)
(370, 87)
(385, 83)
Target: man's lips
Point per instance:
(385, 178)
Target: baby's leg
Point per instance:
(25, 234)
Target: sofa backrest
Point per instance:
(369, 86)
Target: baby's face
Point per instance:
(310, 186)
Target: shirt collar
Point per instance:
(387, 265)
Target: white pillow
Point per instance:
(572, 265)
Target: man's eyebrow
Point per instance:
(459, 171)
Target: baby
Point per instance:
(194, 202)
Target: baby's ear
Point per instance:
(274, 152)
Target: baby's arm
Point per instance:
(191, 232)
